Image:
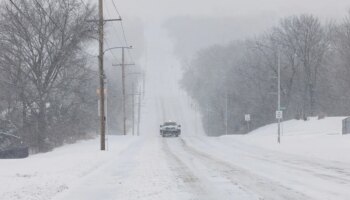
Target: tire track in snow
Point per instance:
(265, 188)
(186, 178)
(110, 174)
(323, 170)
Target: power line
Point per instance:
(104, 39)
(41, 7)
(108, 47)
(16, 7)
(126, 42)
(86, 6)
(124, 36)
(116, 9)
(83, 2)
(114, 26)
(31, 21)
(21, 12)
(59, 27)
(123, 31)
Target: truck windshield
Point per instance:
(170, 124)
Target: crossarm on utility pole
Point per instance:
(105, 20)
(116, 65)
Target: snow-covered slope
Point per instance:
(314, 126)
(315, 138)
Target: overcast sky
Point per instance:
(162, 9)
(177, 23)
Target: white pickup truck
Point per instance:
(170, 129)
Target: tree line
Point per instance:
(241, 77)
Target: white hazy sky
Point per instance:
(151, 15)
(161, 9)
(152, 12)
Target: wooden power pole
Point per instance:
(133, 94)
(101, 77)
(123, 64)
(133, 110)
(139, 113)
(124, 99)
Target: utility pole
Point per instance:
(133, 102)
(139, 112)
(248, 127)
(133, 94)
(143, 84)
(208, 119)
(123, 84)
(101, 76)
(106, 114)
(226, 115)
(133, 110)
(195, 118)
(279, 95)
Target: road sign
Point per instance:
(279, 114)
(247, 117)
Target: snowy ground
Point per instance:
(191, 167)
(311, 163)
(307, 165)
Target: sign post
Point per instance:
(247, 119)
(279, 116)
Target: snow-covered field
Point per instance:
(312, 162)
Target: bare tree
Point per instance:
(304, 40)
(41, 50)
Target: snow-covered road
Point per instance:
(271, 174)
(203, 168)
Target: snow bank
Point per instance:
(321, 139)
(327, 126)
(43, 176)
